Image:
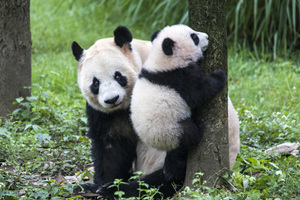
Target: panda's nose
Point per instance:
(112, 100)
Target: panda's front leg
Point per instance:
(192, 130)
(210, 86)
(113, 158)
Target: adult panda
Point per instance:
(152, 116)
(107, 72)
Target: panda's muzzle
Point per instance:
(112, 100)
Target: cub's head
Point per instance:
(175, 47)
(108, 70)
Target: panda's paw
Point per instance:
(199, 123)
(220, 79)
(175, 164)
(219, 74)
(84, 188)
(107, 190)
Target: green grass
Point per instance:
(267, 27)
(47, 136)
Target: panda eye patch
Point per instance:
(118, 76)
(96, 82)
(122, 80)
(195, 38)
(95, 86)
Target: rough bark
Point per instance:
(15, 52)
(211, 156)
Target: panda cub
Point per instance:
(169, 89)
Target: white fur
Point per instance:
(233, 133)
(155, 113)
(148, 120)
(185, 51)
(156, 110)
(101, 61)
(149, 159)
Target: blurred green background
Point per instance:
(264, 26)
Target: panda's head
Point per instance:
(175, 47)
(108, 70)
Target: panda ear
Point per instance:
(122, 36)
(167, 46)
(154, 35)
(77, 50)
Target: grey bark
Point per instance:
(211, 156)
(15, 52)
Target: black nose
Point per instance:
(112, 100)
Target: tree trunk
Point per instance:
(15, 52)
(211, 156)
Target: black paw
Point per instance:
(175, 165)
(87, 187)
(221, 79)
(107, 191)
(200, 124)
(219, 74)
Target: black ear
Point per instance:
(122, 36)
(154, 35)
(77, 51)
(167, 46)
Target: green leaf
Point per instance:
(20, 99)
(42, 137)
(119, 193)
(32, 98)
(254, 161)
(245, 184)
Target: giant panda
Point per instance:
(107, 72)
(169, 89)
(114, 143)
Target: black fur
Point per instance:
(113, 153)
(195, 38)
(157, 179)
(122, 36)
(190, 82)
(113, 100)
(113, 146)
(196, 89)
(122, 80)
(167, 46)
(77, 50)
(154, 35)
(95, 86)
(114, 141)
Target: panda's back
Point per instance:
(155, 113)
